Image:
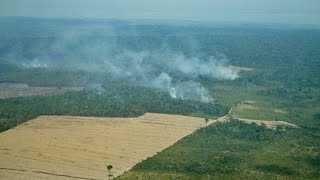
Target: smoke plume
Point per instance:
(99, 49)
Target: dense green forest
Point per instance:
(286, 55)
(115, 101)
(236, 150)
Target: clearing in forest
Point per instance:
(62, 147)
(239, 69)
(248, 105)
(269, 124)
(8, 90)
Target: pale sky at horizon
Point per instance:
(271, 11)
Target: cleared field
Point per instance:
(63, 147)
(239, 69)
(245, 105)
(269, 124)
(8, 90)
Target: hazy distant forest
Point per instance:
(129, 68)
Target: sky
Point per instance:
(257, 11)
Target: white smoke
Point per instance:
(173, 93)
(163, 81)
(82, 50)
(182, 90)
(36, 63)
(212, 67)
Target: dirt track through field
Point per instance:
(64, 147)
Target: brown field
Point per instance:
(64, 147)
(8, 90)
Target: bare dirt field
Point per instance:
(8, 90)
(64, 147)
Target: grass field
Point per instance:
(62, 147)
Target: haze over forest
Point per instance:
(243, 11)
(146, 89)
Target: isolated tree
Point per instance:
(206, 120)
(109, 167)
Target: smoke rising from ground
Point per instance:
(97, 50)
